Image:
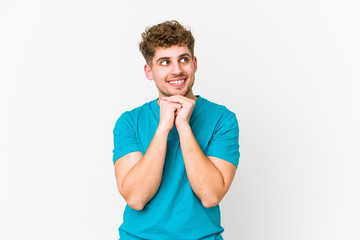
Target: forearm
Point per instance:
(141, 183)
(205, 178)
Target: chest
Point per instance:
(202, 128)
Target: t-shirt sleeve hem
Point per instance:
(121, 154)
(234, 161)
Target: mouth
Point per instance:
(178, 82)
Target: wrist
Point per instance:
(163, 130)
(183, 127)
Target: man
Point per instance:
(175, 157)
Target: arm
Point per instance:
(209, 177)
(138, 177)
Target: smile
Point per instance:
(177, 83)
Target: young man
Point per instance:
(175, 157)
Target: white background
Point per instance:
(288, 69)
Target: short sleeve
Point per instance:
(224, 143)
(125, 140)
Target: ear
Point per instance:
(148, 72)
(195, 64)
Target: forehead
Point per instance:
(170, 52)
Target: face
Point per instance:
(173, 70)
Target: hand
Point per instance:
(168, 112)
(183, 114)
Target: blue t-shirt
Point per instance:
(175, 212)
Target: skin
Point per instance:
(173, 63)
(139, 176)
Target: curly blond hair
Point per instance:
(165, 34)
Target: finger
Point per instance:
(170, 103)
(174, 97)
(178, 107)
(181, 100)
(174, 106)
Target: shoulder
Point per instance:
(130, 116)
(137, 111)
(215, 109)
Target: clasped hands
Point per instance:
(175, 110)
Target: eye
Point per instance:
(165, 62)
(184, 60)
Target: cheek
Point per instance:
(190, 70)
(163, 75)
(160, 77)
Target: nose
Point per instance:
(176, 69)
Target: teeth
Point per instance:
(177, 81)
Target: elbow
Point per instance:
(135, 204)
(211, 202)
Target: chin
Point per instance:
(181, 92)
(177, 94)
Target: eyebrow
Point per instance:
(167, 58)
(162, 58)
(185, 55)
